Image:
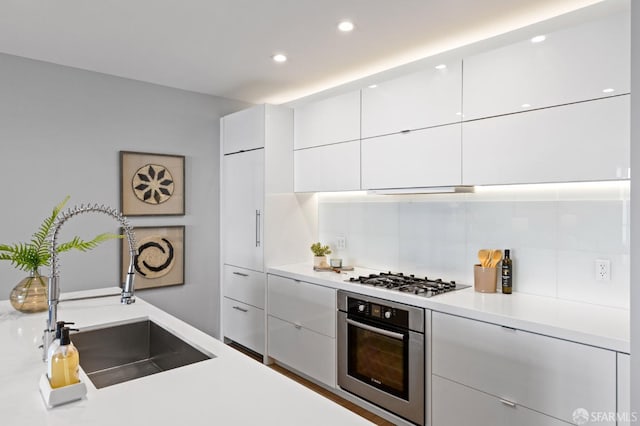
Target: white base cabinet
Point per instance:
(302, 327)
(624, 391)
(244, 324)
(455, 405)
(540, 373)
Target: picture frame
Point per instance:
(152, 184)
(160, 256)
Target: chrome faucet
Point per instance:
(128, 289)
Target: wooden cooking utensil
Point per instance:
(496, 256)
(483, 257)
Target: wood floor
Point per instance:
(318, 389)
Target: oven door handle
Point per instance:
(393, 335)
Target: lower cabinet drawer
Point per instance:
(244, 284)
(308, 352)
(549, 375)
(243, 324)
(456, 405)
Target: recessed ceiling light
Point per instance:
(345, 26)
(525, 105)
(441, 67)
(373, 86)
(279, 57)
(608, 90)
(538, 39)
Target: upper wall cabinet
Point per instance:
(426, 98)
(586, 61)
(586, 141)
(243, 130)
(327, 168)
(327, 121)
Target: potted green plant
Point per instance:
(30, 294)
(320, 253)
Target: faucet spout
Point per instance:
(128, 289)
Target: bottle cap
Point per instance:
(59, 326)
(507, 252)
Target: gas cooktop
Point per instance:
(425, 287)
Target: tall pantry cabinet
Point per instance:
(262, 222)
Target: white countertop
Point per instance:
(229, 389)
(595, 325)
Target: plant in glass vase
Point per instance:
(30, 294)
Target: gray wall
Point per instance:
(60, 133)
(635, 207)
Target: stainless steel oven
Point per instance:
(381, 348)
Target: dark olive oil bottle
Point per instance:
(507, 273)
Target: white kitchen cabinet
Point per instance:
(243, 209)
(244, 284)
(328, 168)
(428, 157)
(262, 221)
(574, 64)
(430, 97)
(302, 327)
(244, 324)
(624, 391)
(586, 141)
(455, 405)
(327, 121)
(243, 130)
(544, 374)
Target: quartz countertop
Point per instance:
(228, 389)
(594, 325)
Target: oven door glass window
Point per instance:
(379, 359)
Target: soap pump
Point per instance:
(56, 342)
(64, 363)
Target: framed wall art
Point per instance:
(151, 184)
(160, 256)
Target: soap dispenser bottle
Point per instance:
(64, 362)
(56, 342)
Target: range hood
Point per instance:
(422, 190)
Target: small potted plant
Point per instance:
(320, 253)
(30, 295)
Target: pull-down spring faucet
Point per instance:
(128, 289)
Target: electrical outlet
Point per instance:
(603, 270)
(341, 242)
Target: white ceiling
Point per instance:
(224, 47)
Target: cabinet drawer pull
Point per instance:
(504, 327)
(238, 308)
(507, 402)
(241, 274)
(257, 228)
(297, 325)
(405, 131)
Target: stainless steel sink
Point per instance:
(125, 352)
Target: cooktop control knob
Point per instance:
(387, 314)
(361, 307)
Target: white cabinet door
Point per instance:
(454, 405)
(243, 324)
(311, 306)
(429, 157)
(327, 121)
(243, 130)
(587, 141)
(548, 375)
(573, 64)
(426, 98)
(244, 285)
(306, 351)
(327, 168)
(624, 391)
(243, 198)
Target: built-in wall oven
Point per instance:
(381, 347)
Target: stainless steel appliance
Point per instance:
(425, 287)
(381, 347)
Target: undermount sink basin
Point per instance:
(125, 352)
